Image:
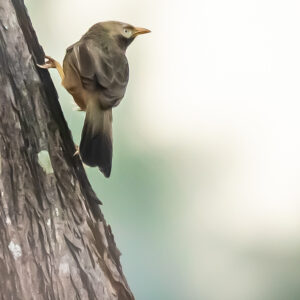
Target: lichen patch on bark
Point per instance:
(45, 161)
(15, 249)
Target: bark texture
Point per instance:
(54, 241)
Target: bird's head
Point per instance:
(123, 33)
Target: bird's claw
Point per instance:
(49, 63)
(77, 151)
(76, 108)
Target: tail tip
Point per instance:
(105, 171)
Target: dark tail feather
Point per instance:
(96, 139)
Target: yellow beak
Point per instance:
(139, 30)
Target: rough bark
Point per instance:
(54, 241)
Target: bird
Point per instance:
(95, 72)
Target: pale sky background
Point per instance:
(204, 198)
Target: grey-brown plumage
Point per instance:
(95, 71)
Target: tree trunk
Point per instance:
(54, 241)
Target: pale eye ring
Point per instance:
(127, 31)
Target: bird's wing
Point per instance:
(96, 64)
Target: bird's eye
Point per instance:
(127, 32)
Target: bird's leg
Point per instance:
(52, 63)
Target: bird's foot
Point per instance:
(77, 108)
(77, 150)
(49, 63)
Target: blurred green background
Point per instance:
(204, 197)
